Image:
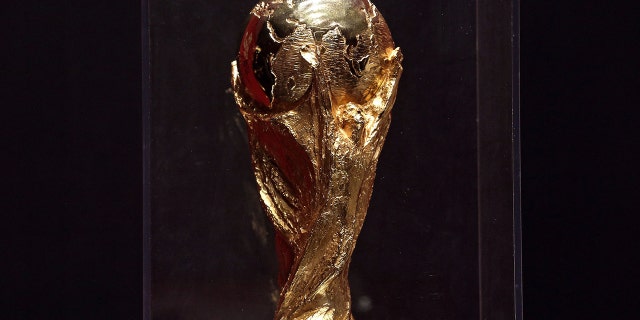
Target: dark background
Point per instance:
(72, 136)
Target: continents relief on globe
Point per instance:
(315, 81)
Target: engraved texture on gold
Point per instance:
(316, 81)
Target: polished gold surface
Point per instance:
(316, 81)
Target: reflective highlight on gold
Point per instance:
(316, 82)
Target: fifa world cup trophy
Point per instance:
(315, 81)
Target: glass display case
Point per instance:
(441, 239)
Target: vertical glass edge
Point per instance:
(517, 207)
(146, 159)
(478, 149)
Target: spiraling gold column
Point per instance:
(315, 81)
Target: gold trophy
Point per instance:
(316, 81)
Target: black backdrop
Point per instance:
(73, 137)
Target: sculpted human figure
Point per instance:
(316, 81)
